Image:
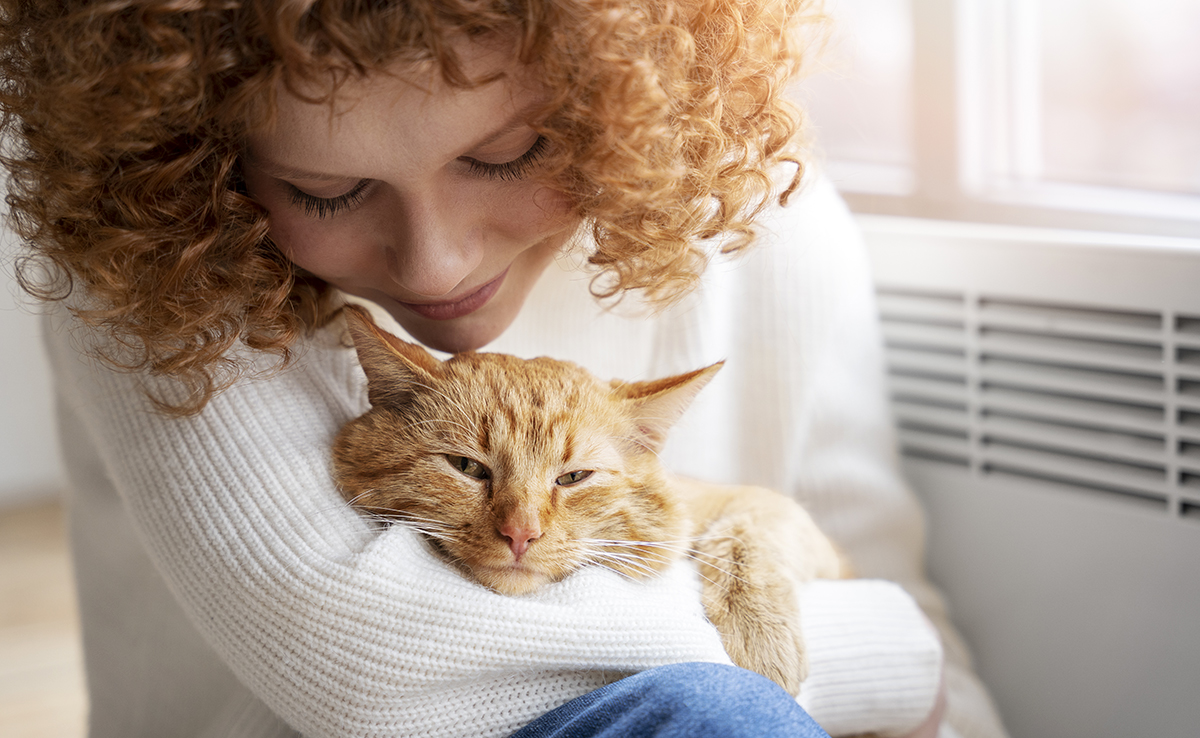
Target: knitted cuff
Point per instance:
(875, 662)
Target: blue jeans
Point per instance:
(680, 701)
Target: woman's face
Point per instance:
(424, 201)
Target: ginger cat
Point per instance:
(522, 472)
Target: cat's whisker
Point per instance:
(346, 503)
(636, 551)
(438, 536)
(659, 551)
(640, 560)
(432, 535)
(711, 581)
(677, 548)
(426, 526)
(633, 561)
(618, 572)
(680, 542)
(441, 532)
(359, 496)
(648, 547)
(709, 558)
(645, 544)
(409, 517)
(647, 550)
(629, 562)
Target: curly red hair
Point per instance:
(124, 121)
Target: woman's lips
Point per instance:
(457, 308)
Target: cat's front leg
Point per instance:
(751, 600)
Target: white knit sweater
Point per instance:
(226, 590)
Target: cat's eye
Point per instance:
(469, 467)
(574, 477)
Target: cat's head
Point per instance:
(519, 472)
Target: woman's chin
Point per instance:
(453, 336)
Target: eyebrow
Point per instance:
(283, 171)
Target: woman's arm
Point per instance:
(803, 409)
(846, 469)
(340, 629)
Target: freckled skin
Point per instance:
(522, 472)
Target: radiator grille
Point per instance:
(1098, 399)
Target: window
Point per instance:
(861, 98)
(1069, 113)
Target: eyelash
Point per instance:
(323, 207)
(509, 171)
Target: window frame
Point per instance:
(976, 137)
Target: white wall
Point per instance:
(29, 463)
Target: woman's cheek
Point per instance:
(328, 249)
(540, 212)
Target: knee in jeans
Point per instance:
(720, 695)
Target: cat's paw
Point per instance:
(752, 602)
(773, 649)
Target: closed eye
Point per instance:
(574, 477)
(513, 170)
(323, 207)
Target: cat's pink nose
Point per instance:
(519, 536)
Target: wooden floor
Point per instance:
(41, 667)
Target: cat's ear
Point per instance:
(392, 365)
(658, 404)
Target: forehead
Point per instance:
(543, 405)
(401, 116)
(544, 386)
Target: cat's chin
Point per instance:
(511, 580)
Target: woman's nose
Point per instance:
(433, 247)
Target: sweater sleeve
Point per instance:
(842, 462)
(801, 407)
(339, 629)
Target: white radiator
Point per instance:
(1047, 390)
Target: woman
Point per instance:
(206, 179)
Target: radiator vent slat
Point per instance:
(939, 417)
(943, 362)
(929, 391)
(919, 335)
(1080, 410)
(1057, 314)
(1101, 379)
(1127, 493)
(940, 443)
(1099, 399)
(1188, 387)
(1078, 439)
(1187, 325)
(1091, 467)
(1085, 351)
(1114, 389)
